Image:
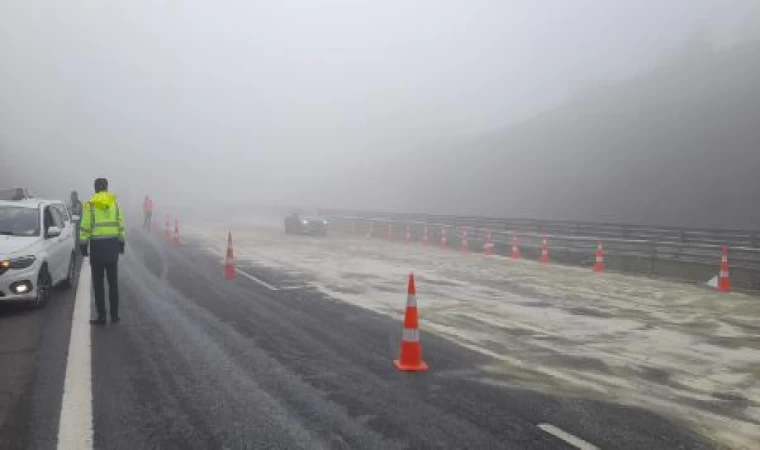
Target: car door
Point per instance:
(56, 248)
(65, 243)
(67, 233)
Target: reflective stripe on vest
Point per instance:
(105, 224)
(104, 236)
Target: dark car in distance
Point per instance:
(303, 224)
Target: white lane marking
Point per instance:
(567, 437)
(75, 424)
(292, 288)
(256, 280)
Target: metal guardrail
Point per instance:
(641, 252)
(732, 238)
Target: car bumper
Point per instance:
(11, 278)
(314, 229)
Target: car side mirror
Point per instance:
(75, 218)
(53, 232)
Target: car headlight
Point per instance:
(324, 222)
(305, 222)
(18, 263)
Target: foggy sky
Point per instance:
(271, 100)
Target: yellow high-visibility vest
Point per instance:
(101, 219)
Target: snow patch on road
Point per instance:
(682, 350)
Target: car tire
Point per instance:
(71, 273)
(44, 286)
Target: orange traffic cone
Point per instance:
(176, 232)
(724, 278)
(464, 247)
(515, 248)
(443, 238)
(599, 264)
(408, 235)
(544, 252)
(488, 246)
(425, 237)
(410, 358)
(229, 262)
(167, 230)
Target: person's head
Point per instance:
(101, 185)
(74, 196)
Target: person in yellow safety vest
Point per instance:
(102, 227)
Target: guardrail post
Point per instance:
(682, 235)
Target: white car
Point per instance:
(37, 249)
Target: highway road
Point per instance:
(268, 362)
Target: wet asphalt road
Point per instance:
(203, 363)
(33, 346)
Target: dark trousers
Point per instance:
(100, 270)
(147, 220)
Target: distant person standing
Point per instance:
(75, 207)
(103, 229)
(147, 213)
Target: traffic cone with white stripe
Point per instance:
(410, 358)
(599, 262)
(488, 246)
(425, 237)
(176, 232)
(167, 230)
(724, 277)
(443, 238)
(515, 248)
(544, 252)
(229, 262)
(464, 247)
(408, 235)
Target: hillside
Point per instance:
(677, 146)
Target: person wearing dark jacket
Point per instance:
(75, 207)
(102, 238)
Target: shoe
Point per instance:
(98, 322)
(115, 319)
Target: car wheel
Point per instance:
(43, 288)
(71, 274)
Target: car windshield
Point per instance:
(19, 221)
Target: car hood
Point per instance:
(13, 245)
